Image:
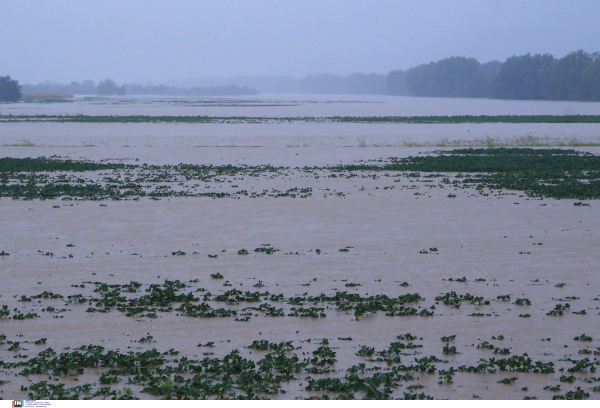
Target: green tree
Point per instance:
(110, 87)
(589, 85)
(566, 79)
(524, 77)
(450, 77)
(10, 90)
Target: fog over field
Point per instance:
(140, 41)
(299, 200)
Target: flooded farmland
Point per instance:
(297, 260)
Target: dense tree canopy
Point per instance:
(450, 77)
(574, 77)
(10, 90)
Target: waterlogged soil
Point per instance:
(328, 272)
(352, 287)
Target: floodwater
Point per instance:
(503, 243)
(275, 105)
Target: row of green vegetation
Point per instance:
(264, 369)
(457, 119)
(166, 298)
(170, 297)
(268, 370)
(51, 164)
(554, 173)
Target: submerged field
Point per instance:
(345, 286)
(298, 260)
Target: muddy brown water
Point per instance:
(478, 237)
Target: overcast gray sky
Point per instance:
(128, 40)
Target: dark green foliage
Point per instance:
(485, 345)
(48, 295)
(365, 351)
(10, 90)
(578, 394)
(583, 337)
(582, 366)
(28, 164)
(44, 390)
(266, 250)
(450, 77)
(449, 349)
(455, 300)
(521, 363)
(379, 386)
(421, 396)
(559, 309)
(307, 312)
(22, 316)
(556, 173)
(573, 77)
(4, 312)
(266, 345)
(279, 362)
(235, 295)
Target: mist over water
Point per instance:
(190, 219)
(137, 41)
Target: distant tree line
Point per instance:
(218, 90)
(87, 87)
(110, 87)
(575, 77)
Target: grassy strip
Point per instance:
(343, 119)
